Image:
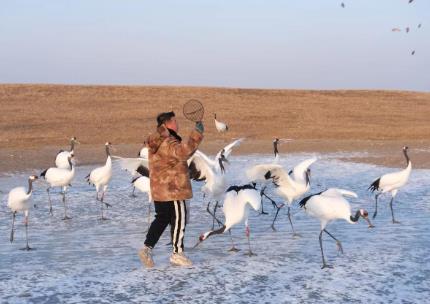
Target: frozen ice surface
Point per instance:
(85, 260)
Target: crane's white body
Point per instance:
(214, 181)
(18, 200)
(62, 158)
(144, 153)
(143, 184)
(61, 161)
(288, 187)
(101, 176)
(392, 182)
(58, 177)
(211, 171)
(330, 205)
(220, 126)
(236, 206)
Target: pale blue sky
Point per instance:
(312, 44)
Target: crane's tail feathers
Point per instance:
(43, 173)
(87, 178)
(303, 202)
(374, 186)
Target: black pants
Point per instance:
(173, 213)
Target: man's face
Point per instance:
(172, 124)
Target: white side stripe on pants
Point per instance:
(180, 222)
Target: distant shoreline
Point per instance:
(38, 120)
(379, 153)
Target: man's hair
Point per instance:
(163, 117)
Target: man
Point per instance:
(170, 185)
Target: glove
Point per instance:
(199, 127)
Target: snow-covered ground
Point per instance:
(84, 260)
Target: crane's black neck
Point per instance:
(405, 152)
(275, 147)
(30, 186)
(70, 163)
(221, 165)
(107, 151)
(72, 145)
(218, 231)
(356, 217)
(307, 177)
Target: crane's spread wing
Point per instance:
(300, 170)
(131, 164)
(229, 148)
(199, 167)
(335, 192)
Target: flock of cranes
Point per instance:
(291, 185)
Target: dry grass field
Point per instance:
(37, 120)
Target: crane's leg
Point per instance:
(376, 205)
(13, 226)
(103, 197)
(291, 222)
(392, 213)
(213, 216)
(50, 203)
(325, 265)
(248, 232)
(132, 194)
(276, 215)
(213, 220)
(261, 194)
(65, 207)
(103, 203)
(208, 211)
(26, 233)
(233, 248)
(338, 243)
